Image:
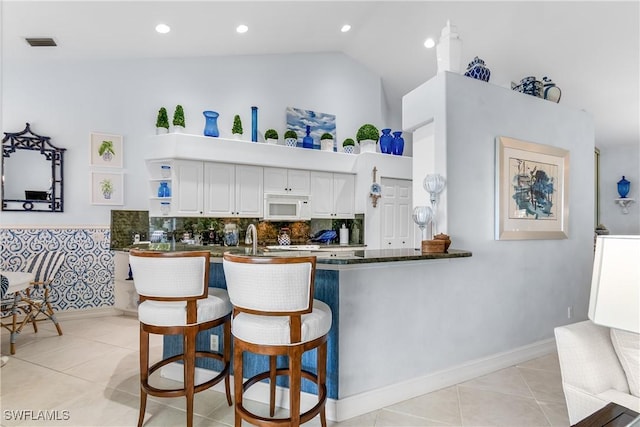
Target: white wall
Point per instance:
(515, 292)
(614, 163)
(68, 100)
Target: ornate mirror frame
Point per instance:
(27, 140)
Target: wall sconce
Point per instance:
(434, 184)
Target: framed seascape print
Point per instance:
(532, 191)
(106, 150)
(319, 123)
(107, 188)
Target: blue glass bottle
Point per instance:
(385, 141)
(307, 141)
(254, 124)
(623, 187)
(211, 123)
(397, 145)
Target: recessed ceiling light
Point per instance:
(345, 28)
(241, 29)
(163, 28)
(429, 43)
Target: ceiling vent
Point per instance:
(40, 41)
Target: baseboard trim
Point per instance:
(362, 403)
(86, 313)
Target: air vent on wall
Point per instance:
(40, 41)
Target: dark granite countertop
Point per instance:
(338, 257)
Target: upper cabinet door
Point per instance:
(219, 195)
(249, 191)
(187, 188)
(299, 181)
(286, 181)
(344, 195)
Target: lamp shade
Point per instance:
(615, 284)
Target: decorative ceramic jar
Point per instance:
(529, 85)
(477, 70)
(211, 123)
(550, 91)
(164, 190)
(385, 141)
(623, 187)
(165, 208)
(284, 239)
(349, 149)
(165, 171)
(397, 145)
(230, 236)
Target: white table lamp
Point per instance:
(615, 284)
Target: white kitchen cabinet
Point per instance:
(286, 181)
(187, 192)
(233, 190)
(332, 195)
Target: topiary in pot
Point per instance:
(290, 138)
(271, 136)
(237, 125)
(326, 142)
(348, 145)
(368, 132)
(178, 117)
(162, 122)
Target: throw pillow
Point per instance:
(627, 347)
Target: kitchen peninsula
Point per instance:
(374, 295)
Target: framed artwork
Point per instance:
(531, 191)
(319, 123)
(107, 188)
(106, 150)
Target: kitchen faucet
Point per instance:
(252, 237)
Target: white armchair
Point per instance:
(592, 374)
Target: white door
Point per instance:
(219, 199)
(249, 193)
(396, 204)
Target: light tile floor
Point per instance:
(92, 372)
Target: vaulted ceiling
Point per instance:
(590, 49)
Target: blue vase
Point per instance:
(211, 123)
(385, 141)
(397, 145)
(254, 124)
(164, 190)
(623, 187)
(307, 141)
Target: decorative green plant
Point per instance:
(163, 119)
(271, 134)
(348, 142)
(106, 148)
(290, 134)
(326, 135)
(368, 131)
(106, 186)
(237, 125)
(178, 116)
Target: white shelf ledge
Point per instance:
(624, 203)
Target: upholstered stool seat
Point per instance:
(274, 314)
(175, 299)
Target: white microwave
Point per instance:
(286, 207)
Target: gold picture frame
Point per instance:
(532, 191)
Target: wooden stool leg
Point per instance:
(189, 370)
(227, 358)
(295, 368)
(144, 373)
(272, 385)
(237, 381)
(322, 377)
(50, 310)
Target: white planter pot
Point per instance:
(368, 146)
(237, 136)
(272, 141)
(178, 129)
(326, 145)
(291, 142)
(161, 131)
(349, 149)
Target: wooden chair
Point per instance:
(44, 266)
(175, 299)
(274, 313)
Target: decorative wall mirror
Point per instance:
(31, 173)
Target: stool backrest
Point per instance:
(168, 276)
(270, 286)
(45, 266)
